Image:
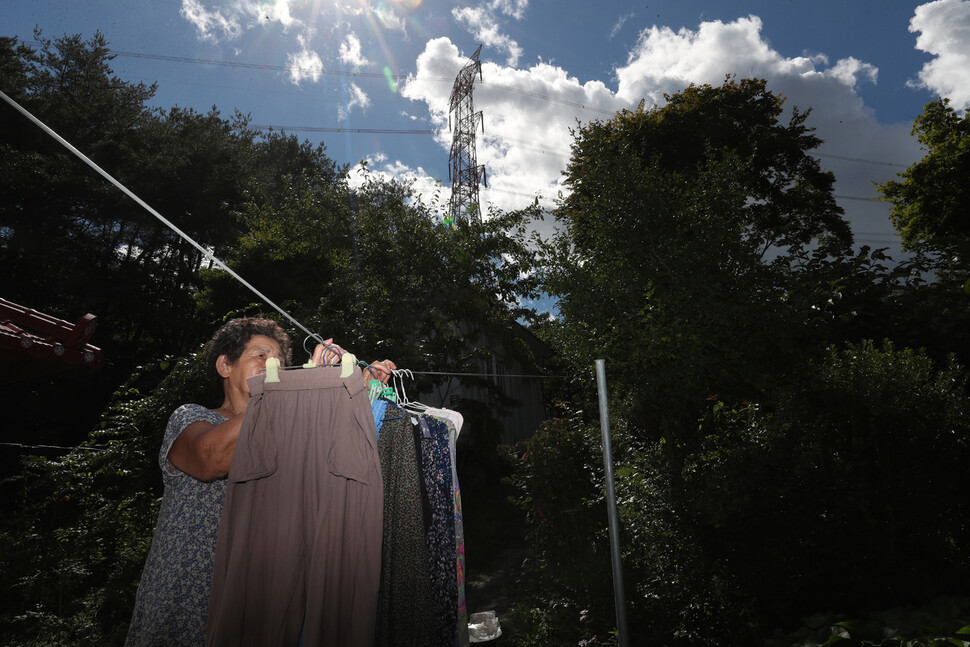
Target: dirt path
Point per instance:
(494, 555)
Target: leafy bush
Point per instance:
(74, 552)
(844, 493)
(569, 590)
(568, 594)
(943, 622)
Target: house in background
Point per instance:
(502, 395)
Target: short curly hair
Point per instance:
(231, 339)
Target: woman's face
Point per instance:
(258, 349)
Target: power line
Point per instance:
(491, 375)
(534, 146)
(855, 197)
(262, 66)
(370, 75)
(320, 129)
(399, 77)
(862, 160)
(874, 241)
(90, 448)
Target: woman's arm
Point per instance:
(204, 451)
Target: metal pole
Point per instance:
(619, 599)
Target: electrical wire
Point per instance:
(489, 375)
(401, 77)
(91, 448)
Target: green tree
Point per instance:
(674, 255)
(372, 266)
(73, 547)
(73, 243)
(931, 203)
(375, 268)
(931, 213)
(684, 260)
(844, 493)
(841, 495)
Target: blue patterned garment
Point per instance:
(173, 595)
(436, 472)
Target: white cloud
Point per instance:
(619, 25)
(229, 21)
(388, 18)
(514, 8)
(305, 64)
(271, 11)
(481, 24)
(232, 19)
(944, 31)
(439, 60)
(211, 25)
(665, 61)
(350, 51)
(528, 113)
(358, 98)
(848, 70)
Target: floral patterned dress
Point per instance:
(173, 595)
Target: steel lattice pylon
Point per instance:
(463, 169)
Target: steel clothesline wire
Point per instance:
(152, 211)
(209, 255)
(90, 448)
(486, 374)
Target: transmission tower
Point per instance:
(463, 169)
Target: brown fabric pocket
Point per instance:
(255, 456)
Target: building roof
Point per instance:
(33, 344)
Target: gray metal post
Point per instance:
(619, 599)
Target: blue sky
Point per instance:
(323, 68)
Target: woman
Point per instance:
(172, 599)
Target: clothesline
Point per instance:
(206, 253)
(92, 448)
(209, 255)
(542, 377)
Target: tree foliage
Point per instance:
(770, 452)
(841, 496)
(931, 203)
(836, 474)
(75, 543)
(375, 268)
(72, 243)
(662, 264)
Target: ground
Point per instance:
(495, 547)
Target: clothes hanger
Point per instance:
(403, 399)
(341, 354)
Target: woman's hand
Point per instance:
(329, 353)
(382, 370)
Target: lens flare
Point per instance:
(391, 81)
